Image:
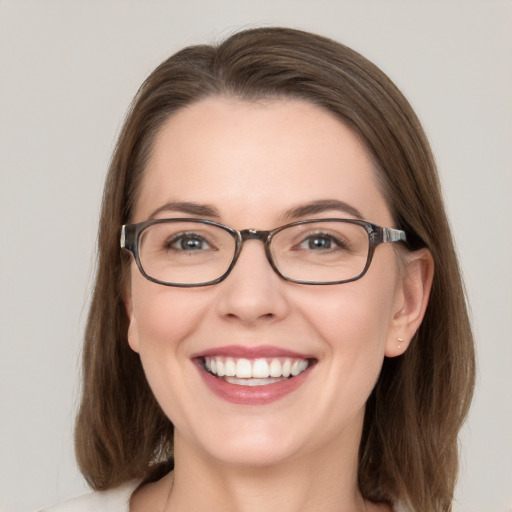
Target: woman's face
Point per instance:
(260, 165)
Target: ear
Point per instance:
(411, 300)
(132, 334)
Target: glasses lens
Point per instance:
(185, 252)
(321, 252)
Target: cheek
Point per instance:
(161, 316)
(354, 320)
(161, 320)
(351, 314)
(350, 323)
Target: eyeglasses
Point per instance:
(197, 252)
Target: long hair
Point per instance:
(408, 449)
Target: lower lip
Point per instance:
(252, 395)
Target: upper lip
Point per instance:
(256, 352)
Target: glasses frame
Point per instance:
(131, 233)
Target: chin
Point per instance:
(258, 445)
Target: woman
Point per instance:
(284, 326)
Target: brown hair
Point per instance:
(409, 446)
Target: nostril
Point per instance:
(265, 316)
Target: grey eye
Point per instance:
(189, 242)
(318, 242)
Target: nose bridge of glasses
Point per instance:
(254, 234)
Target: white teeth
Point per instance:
(295, 368)
(261, 369)
(276, 369)
(230, 367)
(251, 382)
(255, 372)
(299, 367)
(220, 368)
(287, 368)
(243, 369)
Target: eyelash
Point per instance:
(341, 244)
(170, 244)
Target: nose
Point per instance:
(253, 292)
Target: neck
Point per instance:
(323, 481)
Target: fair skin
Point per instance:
(251, 163)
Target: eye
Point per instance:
(321, 242)
(317, 242)
(189, 242)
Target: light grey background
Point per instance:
(68, 70)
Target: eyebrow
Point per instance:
(322, 206)
(190, 208)
(297, 212)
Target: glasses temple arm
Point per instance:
(393, 235)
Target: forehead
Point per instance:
(257, 159)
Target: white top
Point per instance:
(113, 500)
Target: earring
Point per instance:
(399, 341)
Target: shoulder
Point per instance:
(113, 500)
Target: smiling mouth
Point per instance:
(254, 372)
